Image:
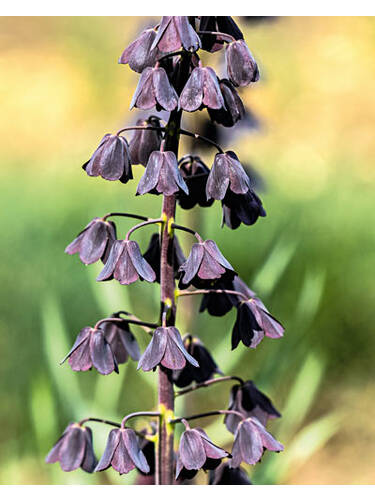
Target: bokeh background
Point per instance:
(311, 259)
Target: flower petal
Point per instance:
(111, 446)
(154, 351)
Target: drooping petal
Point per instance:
(239, 180)
(214, 251)
(121, 460)
(209, 268)
(72, 450)
(211, 450)
(176, 337)
(89, 461)
(188, 36)
(101, 353)
(191, 266)
(150, 178)
(54, 455)
(154, 351)
(111, 446)
(212, 96)
(191, 97)
(165, 94)
(75, 245)
(93, 166)
(173, 357)
(144, 97)
(218, 180)
(139, 54)
(130, 344)
(131, 443)
(191, 450)
(142, 267)
(107, 271)
(81, 337)
(268, 441)
(93, 243)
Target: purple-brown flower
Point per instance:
(91, 349)
(219, 304)
(139, 54)
(241, 66)
(123, 453)
(126, 264)
(250, 440)
(166, 348)
(197, 451)
(248, 400)
(206, 369)
(241, 208)
(94, 242)
(253, 322)
(154, 89)
(205, 263)
(225, 475)
(74, 449)
(195, 174)
(144, 142)
(227, 174)
(175, 32)
(121, 340)
(162, 175)
(233, 109)
(111, 160)
(202, 89)
(152, 255)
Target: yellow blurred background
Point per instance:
(311, 259)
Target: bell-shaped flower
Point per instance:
(175, 32)
(206, 369)
(219, 304)
(250, 440)
(123, 453)
(233, 109)
(94, 242)
(196, 451)
(217, 24)
(204, 264)
(139, 54)
(165, 348)
(148, 448)
(126, 264)
(227, 173)
(162, 175)
(241, 208)
(144, 142)
(241, 66)
(195, 174)
(248, 400)
(201, 90)
(121, 340)
(154, 89)
(152, 255)
(225, 475)
(91, 349)
(111, 160)
(74, 449)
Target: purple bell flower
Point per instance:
(154, 89)
(175, 32)
(227, 173)
(201, 90)
(241, 66)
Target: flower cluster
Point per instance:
(173, 79)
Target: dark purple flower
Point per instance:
(152, 255)
(206, 369)
(245, 208)
(148, 449)
(251, 402)
(166, 348)
(162, 175)
(195, 174)
(123, 453)
(226, 173)
(126, 264)
(91, 349)
(111, 160)
(121, 340)
(222, 24)
(94, 242)
(154, 89)
(225, 475)
(250, 440)
(175, 32)
(197, 451)
(219, 304)
(204, 264)
(74, 449)
(241, 66)
(233, 109)
(202, 89)
(139, 54)
(144, 142)
(253, 322)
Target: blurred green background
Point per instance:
(311, 259)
